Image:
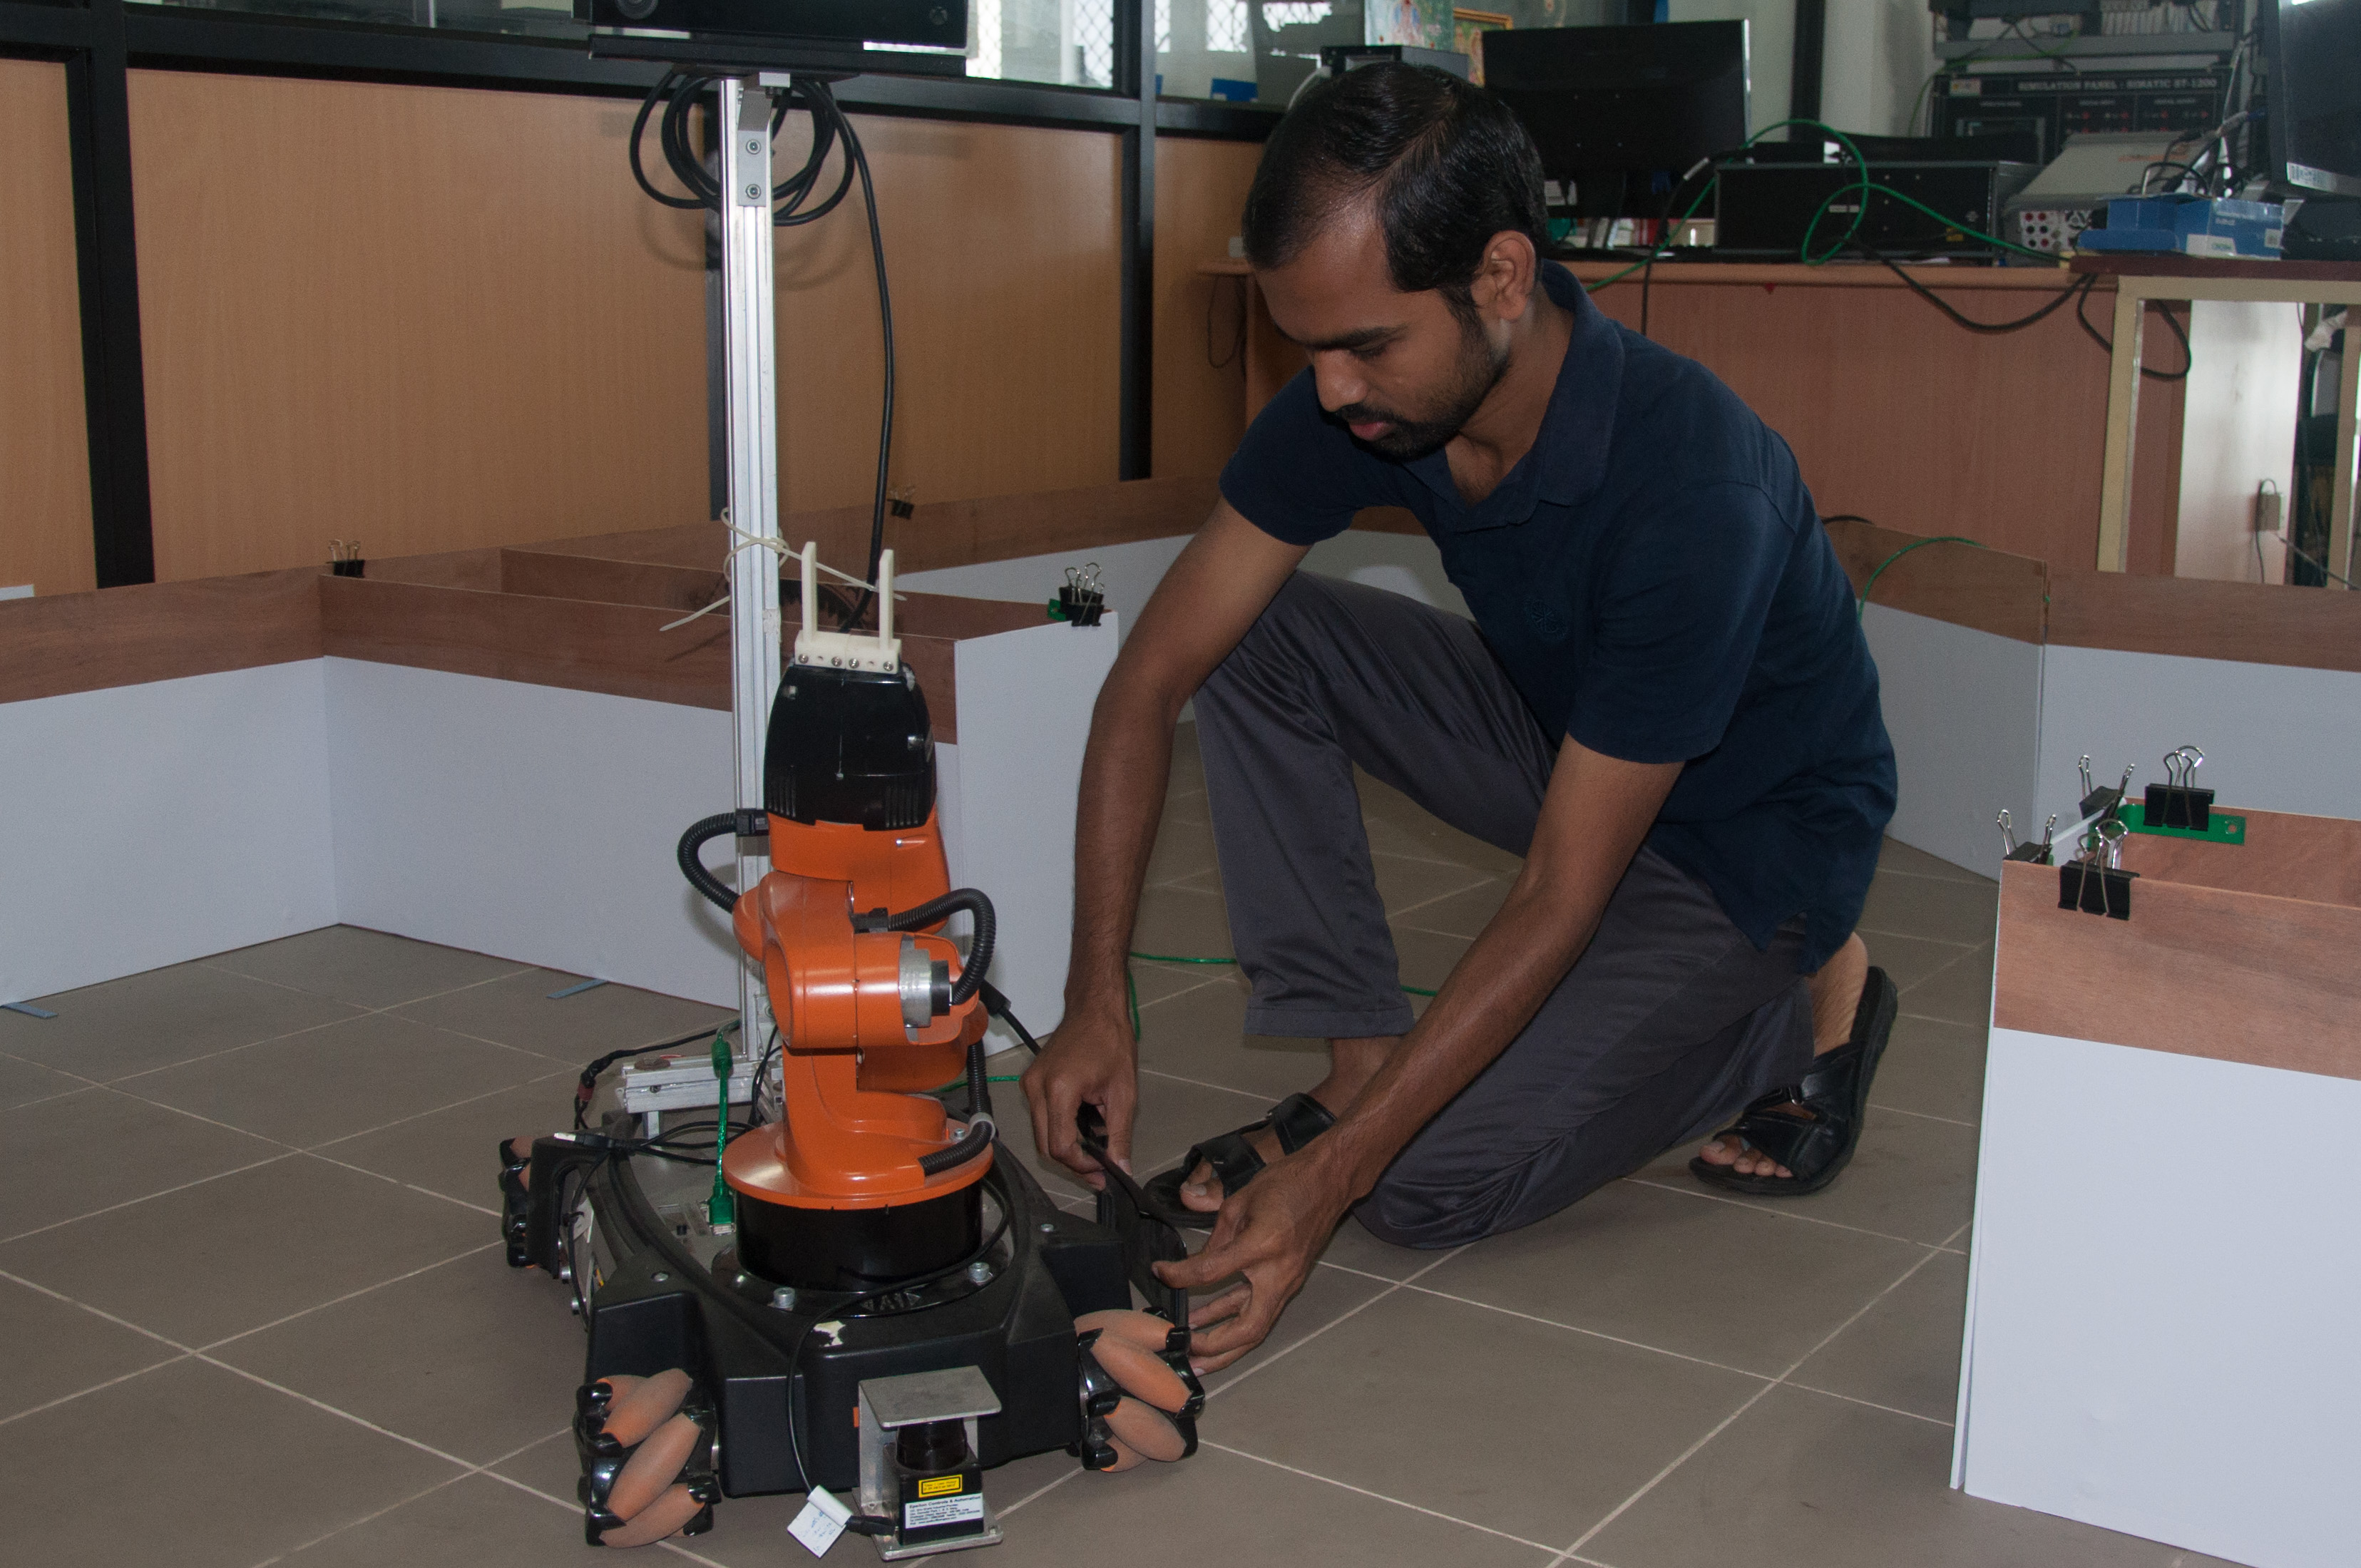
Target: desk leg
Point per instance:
(2339, 506)
(2122, 421)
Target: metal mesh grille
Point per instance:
(1093, 41)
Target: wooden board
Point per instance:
(44, 454)
(1898, 415)
(2196, 971)
(478, 332)
(2256, 623)
(2283, 856)
(1004, 250)
(617, 649)
(947, 534)
(159, 631)
(1990, 590)
(1198, 409)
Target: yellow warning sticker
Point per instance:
(940, 1485)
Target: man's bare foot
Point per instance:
(1835, 998)
(1351, 1065)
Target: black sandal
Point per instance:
(1834, 1097)
(1297, 1119)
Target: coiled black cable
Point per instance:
(680, 91)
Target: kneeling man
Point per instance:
(1663, 703)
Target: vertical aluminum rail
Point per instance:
(750, 354)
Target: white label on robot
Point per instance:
(942, 1511)
(820, 1523)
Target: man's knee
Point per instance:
(1413, 1215)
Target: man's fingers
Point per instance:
(1229, 1339)
(1215, 1308)
(1205, 1269)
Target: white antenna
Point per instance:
(847, 650)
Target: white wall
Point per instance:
(149, 825)
(1877, 58)
(2275, 738)
(2164, 1346)
(1024, 701)
(2237, 430)
(528, 822)
(1964, 710)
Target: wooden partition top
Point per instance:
(52, 645)
(2197, 971)
(1989, 590)
(547, 618)
(944, 533)
(2256, 623)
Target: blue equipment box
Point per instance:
(2190, 226)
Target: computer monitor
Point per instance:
(2312, 49)
(1617, 101)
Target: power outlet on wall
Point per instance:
(2269, 515)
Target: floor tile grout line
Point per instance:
(208, 1121)
(1285, 1351)
(1199, 1083)
(358, 1013)
(442, 1485)
(1873, 931)
(397, 1182)
(419, 1496)
(1365, 1492)
(436, 1110)
(348, 1296)
(1184, 991)
(1872, 1404)
(1064, 1477)
(364, 1010)
(1393, 915)
(1926, 1253)
(93, 1388)
(1590, 1334)
(1568, 1555)
(97, 1313)
(574, 1507)
(1787, 1214)
(48, 1099)
(322, 1405)
(1922, 1115)
(166, 1192)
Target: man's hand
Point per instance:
(1086, 1059)
(1270, 1232)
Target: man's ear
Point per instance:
(1507, 276)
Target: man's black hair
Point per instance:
(1448, 165)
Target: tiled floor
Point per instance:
(255, 1311)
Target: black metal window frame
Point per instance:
(101, 41)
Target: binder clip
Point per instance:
(345, 558)
(2097, 800)
(2094, 882)
(2177, 802)
(2031, 852)
(1082, 599)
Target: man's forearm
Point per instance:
(1124, 775)
(1493, 992)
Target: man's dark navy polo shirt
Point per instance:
(1653, 577)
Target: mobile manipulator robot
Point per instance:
(853, 1289)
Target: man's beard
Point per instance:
(1480, 369)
